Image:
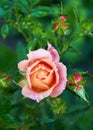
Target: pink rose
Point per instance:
(45, 75)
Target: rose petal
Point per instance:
(32, 69)
(53, 52)
(27, 92)
(28, 79)
(28, 72)
(37, 84)
(62, 80)
(54, 68)
(39, 54)
(49, 79)
(23, 65)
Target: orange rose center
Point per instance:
(42, 77)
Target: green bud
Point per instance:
(4, 31)
(58, 106)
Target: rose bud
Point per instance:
(77, 77)
(55, 27)
(64, 26)
(63, 18)
(69, 83)
(78, 87)
(45, 75)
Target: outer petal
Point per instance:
(53, 52)
(23, 65)
(28, 72)
(62, 80)
(27, 92)
(39, 54)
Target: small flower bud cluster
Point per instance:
(76, 81)
(61, 23)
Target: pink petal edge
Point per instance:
(28, 72)
(22, 65)
(62, 80)
(28, 92)
(39, 54)
(53, 52)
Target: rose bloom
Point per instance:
(45, 75)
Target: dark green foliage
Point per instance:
(58, 106)
(21, 51)
(7, 58)
(5, 7)
(31, 24)
(4, 31)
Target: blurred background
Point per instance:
(79, 115)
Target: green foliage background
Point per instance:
(17, 111)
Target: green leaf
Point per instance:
(44, 121)
(4, 31)
(82, 94)
(72, 49)
(77, 15)
(4, 104)
(33, 2)
(21, 51)
(32, 44)
(65, 47)
(42, 11)
(7, 58)
(23, 5)
(2, 12)
(8, 121)
(5, 7)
